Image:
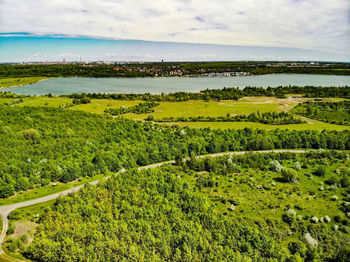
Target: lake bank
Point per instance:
(62, 86)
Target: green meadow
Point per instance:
(246, 105)
(19, 81)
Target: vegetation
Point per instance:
(169, 69)
(211, 209)
(43, 145)
(231, 93)
(273, 118)
(19, 81)
(141, 108)
(331, 112)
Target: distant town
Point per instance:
(168, 69)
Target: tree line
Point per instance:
(271, 118)
(140, 108)
(228, 93)
(331, 112)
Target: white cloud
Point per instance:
(312, 24)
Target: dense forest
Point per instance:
(164, 69)
(331, 112)
(187, 213)
(271, 118)
(40, 145)
(231, 93)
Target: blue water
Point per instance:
(60, 86)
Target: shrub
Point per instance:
(314, 219)
(334, 198)
(297, 165)
(327, 219)
(310, 240)
(320, 171)
(275, 166)
(332, 180)
(288, 174)
(296, 247)
(288, 218)
(32, 135)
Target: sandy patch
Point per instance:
(24, 227)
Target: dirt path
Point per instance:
(6, 210)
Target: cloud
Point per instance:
(311, 24)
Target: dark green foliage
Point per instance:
(331, 112)
(6, 190)
(141, 108)
(272, 118)
(231, 93)
(147, 216)
(296, 247)
(164, 69)
(83, 100)
(320, 171)
(47, 144)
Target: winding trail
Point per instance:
(6, 210)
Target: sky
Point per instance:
(143, 30)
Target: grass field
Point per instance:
(98, 106)
(46, 101)
(316, 125)
(11, 82)
(246, 105)
(272, 200)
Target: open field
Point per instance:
(246, 105)
(11, 82)
(316, 125)
(98, 106)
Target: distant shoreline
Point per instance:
(25, 84)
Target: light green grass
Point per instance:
(202, 108)
(46, 101)
(98, 106)
(316, 125)
(7, 100)
(260, 204)
(11, 82)
(46, 190)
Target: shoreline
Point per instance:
(31, 83)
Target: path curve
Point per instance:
(6, 210)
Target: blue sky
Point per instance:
(143, 30)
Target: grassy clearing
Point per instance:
(6, 100)
(98, 106)
(22, 223)
(210, 108)
(246, 105)
(46, 101)
(46, 190)
(261, 196)
(313, 125)
(11, 82)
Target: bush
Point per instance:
(288, 174)
(296, 247)
(275, 166)
(32, 135)
(288, 218)
(320, 171)
(6, 190)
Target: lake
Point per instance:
(61, 86)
